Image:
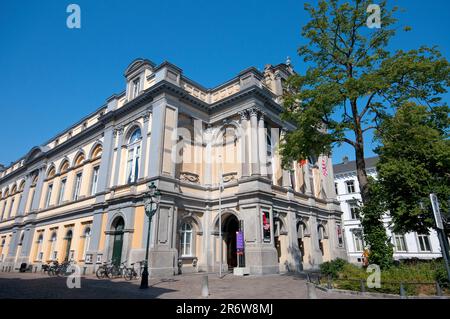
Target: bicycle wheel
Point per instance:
(128, 273)
(100, 273)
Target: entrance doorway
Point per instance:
(230, 227)
(118, 227)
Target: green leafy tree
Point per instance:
(414, 162)
(353, 81)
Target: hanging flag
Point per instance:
(324, 167)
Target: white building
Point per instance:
(410, 245)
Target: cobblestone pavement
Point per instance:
(41, 286)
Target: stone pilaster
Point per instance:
(244, 143)
(119, 135)
(144, 152)
(262, 145)
(254, 141)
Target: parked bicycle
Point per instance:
(135, 271)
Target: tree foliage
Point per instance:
(414, 162)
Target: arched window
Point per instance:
(134, 154)
(51, 173)
(186, 239)
(87, 240)
(97, 152)
(79, 159)
(64, 167)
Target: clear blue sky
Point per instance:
(52, 76)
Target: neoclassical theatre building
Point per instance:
(79, 196)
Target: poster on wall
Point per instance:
(266, 226)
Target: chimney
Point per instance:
(345, 159)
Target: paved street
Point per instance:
(36, 285)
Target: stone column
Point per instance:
(286, 177)
(104, 173)
(254, 141)
(262, 145)
(157, 138)
(207, 167)
(144, 152)
(38, 189)
(119, 134)
(25, 193)
(244, 143)
(308, 188)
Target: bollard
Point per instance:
(362, 285)
(438, 289)
(329, 283)
(402, 291)
(205, 288)
(311, 290)
(35, 269)
(84, 270)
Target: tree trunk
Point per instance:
(361, 170)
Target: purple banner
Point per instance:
(239, 241)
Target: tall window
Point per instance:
(269, 141)
(354, 210)
(424, 242)
(49, 195)
(3, 210)
(11, 208)
(62, 189)
(186, 240)
(350, 186)
(53, 252)
(39, 254)
(358, 241)
(94, 180)
(339, 235)
(134, 152)
(136, 87)
(336, 188)
(77, 188)
(400, 243)
(87, 240)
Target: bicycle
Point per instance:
(133, 271)
(103, 270)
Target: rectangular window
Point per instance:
(336, 188)
(94, 180)
(350, 186)
(76, 192)
(136, 87)
(424, 243)
(3, 210)
(358, 241)
(49, 195)
(40, 255)
(62, 189)
(55, 255)
(266, 226)
(354, 211)
(400, 243)
(339, 235)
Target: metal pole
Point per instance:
(144, 278)
(442, 239)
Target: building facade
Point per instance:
(79, 196)
(409, 245)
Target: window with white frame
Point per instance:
(77, 188)
(134, 153)
(424, 242)
(336, 189)
(62, 189)
(358, 241)
(186, 239)
(87, 240)
(94, 180)
(136, 87)
(39, 247)
(350, 186)
(354, 210)
(49, 195)
(53, 252)
(400, 243)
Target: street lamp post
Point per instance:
(151, 203)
